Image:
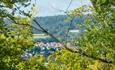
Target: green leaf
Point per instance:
(8, 3)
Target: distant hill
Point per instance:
(56, 24)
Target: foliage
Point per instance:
(95, 46)
(33, 63)
(14, 37)
(66, 60)
(98, 40)
(13, 41)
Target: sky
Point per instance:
(53, 7)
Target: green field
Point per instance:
(43, 36)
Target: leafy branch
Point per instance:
(64, 46)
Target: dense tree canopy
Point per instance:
(13, 39)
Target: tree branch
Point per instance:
(67, 48)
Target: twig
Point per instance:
(71, 50)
